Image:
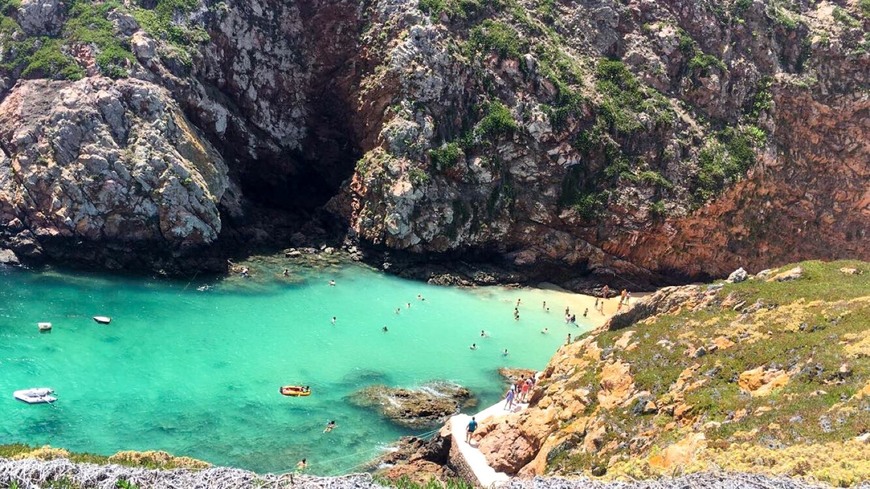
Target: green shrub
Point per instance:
(161, 22)
(702, 63)
(496, 36)
(498, 121)
(89, 24)
(843, 17)
(653, 177)
(445, 157)
(723, 161)
(418, 176)
(865, 7)
(49, 61)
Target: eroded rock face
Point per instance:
(427, 405)
(105, 162)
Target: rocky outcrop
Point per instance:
(637, 141)
(101, 163)
(427, 405)
(687, 384)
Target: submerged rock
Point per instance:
(427, 405)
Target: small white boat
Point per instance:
(44, 326)
(103, 319)
(35, 395)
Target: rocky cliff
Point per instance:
(644, 140)
(769, 375)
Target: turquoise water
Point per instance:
(197, 372)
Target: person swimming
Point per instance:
(483, 334)
(286, 272)
(333, 319)
(545, 331)
(384, 329)
(409, 305)
(398, 310)
(473, 346)
(332, 283)
(504, 353)
(329, 426)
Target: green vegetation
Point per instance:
(808, 328)
(453, 8)
(763, 100)
(843, 17)
(446, 157)
(865, 7)
(624, 98)
(406, 483)
(162, 22)
(701, 63)
(497, 122)
(88, 24)
(49, 61)
(418, 177)
(492, 35)
(724, 160)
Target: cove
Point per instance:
(197, 372)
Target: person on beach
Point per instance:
(605, 292)
(627, 297)
(567, 318)
(596, 303)
(585, 312)
(519, 301)
(332, 283)
(509, 399)
(473, 346)
(568, 339)
(567, 310)
(469, 430)
(545, 331)
(329, 426)
(544, 307)
(524, 391)
(333, 320)
(573, 319)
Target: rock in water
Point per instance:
(738, 275)
(7, 257)
(427, 405)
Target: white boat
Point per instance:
(103, 319)
(44, 326)
(35, 395)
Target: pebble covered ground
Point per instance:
(32, 474)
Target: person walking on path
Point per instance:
(524, 390)
(509, 399)
(469, 430)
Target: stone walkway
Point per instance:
(486, 475)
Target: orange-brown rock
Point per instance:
(760, 382)
(616, 383)
(679, 454)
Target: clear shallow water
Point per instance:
(197, 372)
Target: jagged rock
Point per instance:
(738, 275)
(7, 257)
(114, 160)
(792, 274)
(514, 375)
(40, 17)
(850, 271)
(761, 382)
(425, 406)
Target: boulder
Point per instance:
(40, 17)
(738, 275)
(793, 274)
(425, 406)
(514, 375)
(850, 271)
(8, 257)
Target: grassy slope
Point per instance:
(809, 328)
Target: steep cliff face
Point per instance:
(646, 139)
(760, 376)
(632, 138)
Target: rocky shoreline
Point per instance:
(35, 474)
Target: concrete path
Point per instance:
(486, 475)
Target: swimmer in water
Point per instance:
(384, 329)
(333, 319)
(545, 331)
(473, 346)
(329, 427)
(332, 283)
(398, 310)
(409, 305)
(504, 353)
(483, 334)
(286, 272)
(419, 297)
